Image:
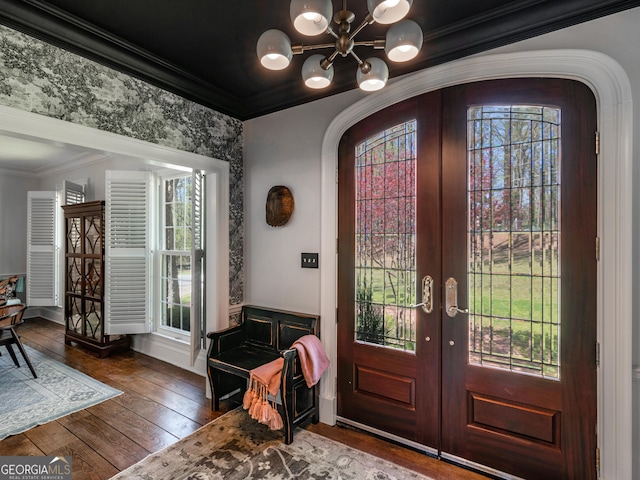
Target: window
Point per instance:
(180, 256)
(175, 274)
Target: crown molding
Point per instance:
(515, 21)
(57, 27)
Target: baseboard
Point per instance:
(635, 468)
(170, 351)
(53, 314)
(327, 410)
(156, 346)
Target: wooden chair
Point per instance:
(11, 317)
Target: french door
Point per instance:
(467, 267)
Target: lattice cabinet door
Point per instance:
(84, 279)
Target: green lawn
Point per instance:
(515, 318)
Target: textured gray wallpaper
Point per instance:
(44, 79)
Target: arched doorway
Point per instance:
(613, 94)
(491, 187)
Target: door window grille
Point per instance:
(514, 238)
(386, 238)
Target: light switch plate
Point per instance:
(309, 260)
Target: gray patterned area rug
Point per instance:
(59, 390)
(235, 447)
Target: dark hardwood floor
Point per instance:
(160, 404)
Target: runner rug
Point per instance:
(59, 390)
(234, 447)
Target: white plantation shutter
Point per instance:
(197, 264)
(42, 250)
(73, 193)
(127, 252)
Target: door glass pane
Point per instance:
(385, 238)
(93, 234)
(514, 238)
(93, 319)
(74, 234)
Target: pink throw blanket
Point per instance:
(313, 359)
(265, 380)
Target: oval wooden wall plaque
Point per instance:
(279, 205)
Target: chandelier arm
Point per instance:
(304, 48)
(360, 62)
(330, 31)
(378, 43)
(367, 21)
(328, 61)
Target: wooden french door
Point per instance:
(467, 275)
(389, 380)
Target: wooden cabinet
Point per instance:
(84, 279)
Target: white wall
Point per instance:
(13, 221)
(94, 173)
(285, 147)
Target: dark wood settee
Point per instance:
(263, 335)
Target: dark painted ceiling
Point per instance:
(204, 50)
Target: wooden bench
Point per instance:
(263, 335)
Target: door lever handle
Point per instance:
(452, 307)
(427, 295)
(454, 310)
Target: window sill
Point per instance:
(169, 337)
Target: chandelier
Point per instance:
(402, 42)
